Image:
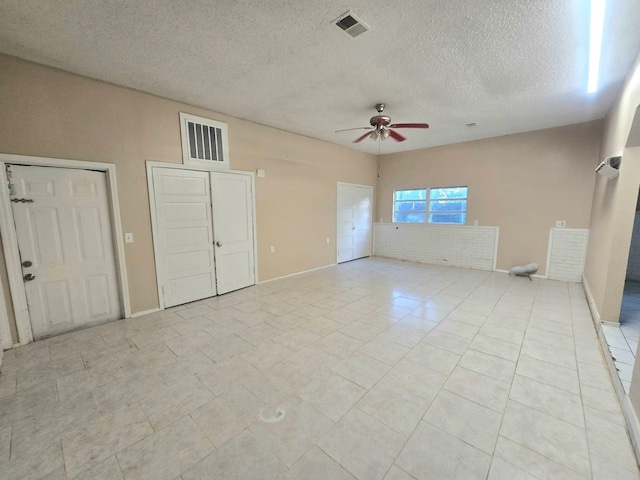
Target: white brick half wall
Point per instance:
(567, 252)
(453, 245)
(633, 267)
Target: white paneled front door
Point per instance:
(355, 203)
(184, 236)
(233, 230)
(62, 221)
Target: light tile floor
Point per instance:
(372, 369)
(623, 340)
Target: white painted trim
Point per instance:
(632, 424)
(495, 250)
(208, 165)
(335, 242)
(5, 330)
(150, 165)
(12, 260)
(297, 273)
(10, 239)
(550, 244)
(595, 315)
(145, 312)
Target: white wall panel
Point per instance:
(453, 245)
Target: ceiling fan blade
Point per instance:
(409, 125)
(359, 139)
(357, 128)
(396, 136)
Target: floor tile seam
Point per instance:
(500, 433)
(533, 326)
(579, 395)
(426, 410)
(510, 388)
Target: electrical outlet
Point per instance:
(476, 223)
(128, 238)
(261, 173)
(561, 223)
(273, 249)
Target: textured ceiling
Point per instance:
(508, 65)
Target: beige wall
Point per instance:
(521, 183)
(606, 263)
(613, 214)
(50, 113)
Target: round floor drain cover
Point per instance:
(272, 414)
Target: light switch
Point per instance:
(261, 173)
(273, 249)
(561, 223)
(128, 238)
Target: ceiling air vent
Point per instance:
(351, 24)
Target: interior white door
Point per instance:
(184, 236)
(65, 233)
(354, 221)
(233, 231)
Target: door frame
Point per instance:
(370, 187)
(10, 238)
(150, 165)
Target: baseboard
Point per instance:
(297, 273)
(145, 312)
(633, 424)
(630, 417)
(590, 301)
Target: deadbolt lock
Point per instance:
(27, 263)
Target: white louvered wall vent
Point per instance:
(351, 24)
(204, 142)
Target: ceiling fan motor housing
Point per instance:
(380, 121)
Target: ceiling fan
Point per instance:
(381, 127)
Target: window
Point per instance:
(410, 206)
(446, 205)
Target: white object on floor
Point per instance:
(524, 270)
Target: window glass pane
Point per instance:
(447, 218)
(408, 206)
(449, 192)
(411, 194)
(409, 217)
(448, 206)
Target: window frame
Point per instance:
(425, 200)
(428, 200)
(448, 212)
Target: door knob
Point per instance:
(218, 244)
(29, 276)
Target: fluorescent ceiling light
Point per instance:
(595, 43)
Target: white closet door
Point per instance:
(233, 231)
(184, 233)
(355, 203)
(65, 233)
